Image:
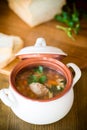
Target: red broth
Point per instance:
(39, 82)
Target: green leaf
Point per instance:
(75, 17)
(32, 78)
(39, 69)
(42, 79)
(70, 23)
(66, 17)
(59, 18)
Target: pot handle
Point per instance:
(77, 72)
(7, 97)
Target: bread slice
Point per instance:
(9, 46)
(35, 12)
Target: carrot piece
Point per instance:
(24, 82)
(51, 82)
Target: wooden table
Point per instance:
(76, 119)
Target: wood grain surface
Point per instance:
(11, 24)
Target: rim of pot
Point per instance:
(47, 62)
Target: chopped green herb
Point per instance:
(39, 69)
(63, 81)
(37, 78)
(32, 78)
(42, 79)
(53, 89)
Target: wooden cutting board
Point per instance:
(9, 67)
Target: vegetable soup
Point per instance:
(39, 82)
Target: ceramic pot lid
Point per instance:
(41, 49)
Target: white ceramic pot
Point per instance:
(41, 111)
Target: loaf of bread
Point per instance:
(35, 12)
(9, 46)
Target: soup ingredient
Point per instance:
(38, 89)
(39, 69)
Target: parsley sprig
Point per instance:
(71, 19)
